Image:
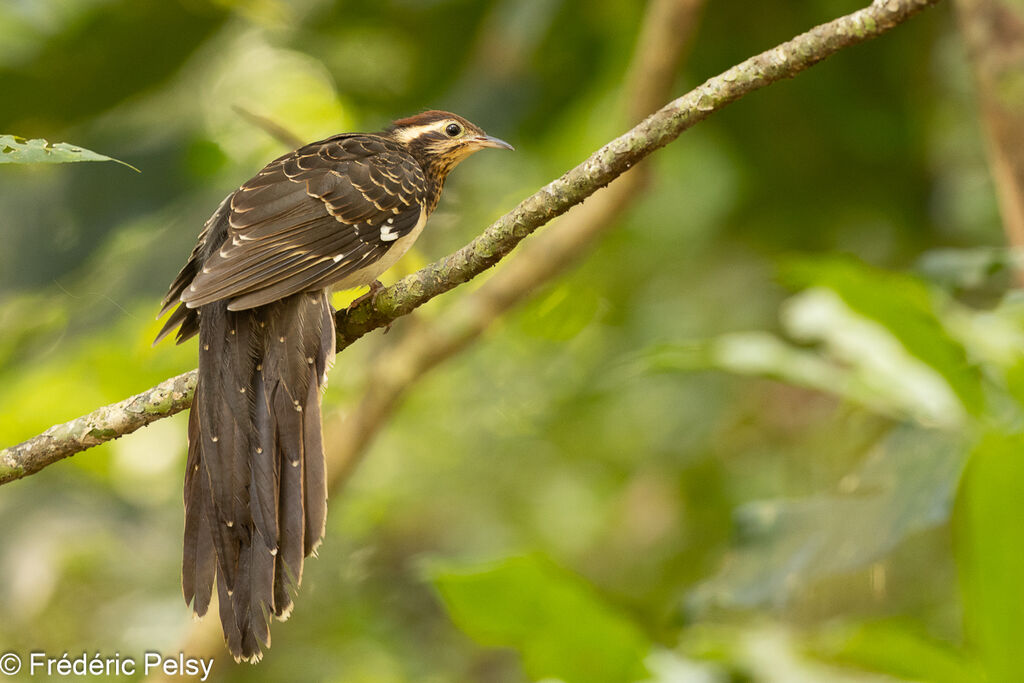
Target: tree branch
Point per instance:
(109, 422)
(612, 160)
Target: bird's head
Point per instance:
(440, 139)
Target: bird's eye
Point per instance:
(452, 129)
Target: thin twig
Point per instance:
(270, 127)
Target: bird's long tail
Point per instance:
(255, 481)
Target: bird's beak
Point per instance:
(488, 141)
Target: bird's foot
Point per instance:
(376, 287)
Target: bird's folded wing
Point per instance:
(311, 218)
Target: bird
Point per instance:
(333, 214)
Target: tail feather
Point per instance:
(314, 476)
(255, 487)
(316, 468)
(198, 559)
(288, 570)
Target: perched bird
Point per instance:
(332, 214)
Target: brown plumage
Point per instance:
(331, 214)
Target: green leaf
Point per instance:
(17, 150)
(899, 650)
(558, 623)
(905, 306)
(989, 544)
(762, 354)
(905, 486)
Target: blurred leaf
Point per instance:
(768, 652)
(667, 666)
(989, 535)
(904, 306)
(889, 377)
(561, 314)
(905, 486)
(559, 624)
(968, 268)
(898, 650)
(762, 354)
(17, 150)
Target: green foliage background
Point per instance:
(728, 446)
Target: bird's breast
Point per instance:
(365, 276)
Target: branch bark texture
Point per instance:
(598, 170)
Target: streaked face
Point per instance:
(450, 136)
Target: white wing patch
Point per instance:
(387, 232)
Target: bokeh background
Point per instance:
(767, 428)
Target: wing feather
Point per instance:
(311, 218)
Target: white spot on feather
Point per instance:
(338, 257)
(388, 234)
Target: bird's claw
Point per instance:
(376, 287)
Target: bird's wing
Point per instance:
(312, 218)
